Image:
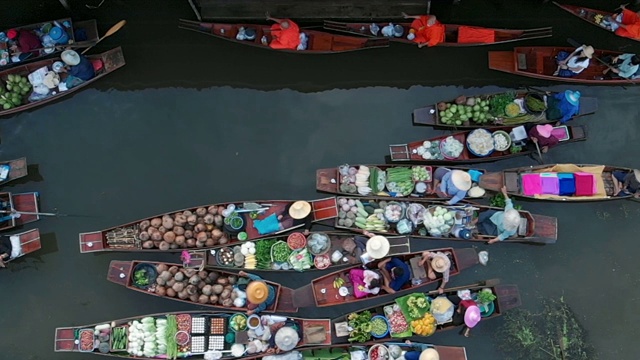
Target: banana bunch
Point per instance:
(338, 282)
(250, 261)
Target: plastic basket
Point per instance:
(82, 331)
(379, 336)
(126, 339)
(235, 316)
(285, 244)
(293, 237)
(374, 347)
(402, 212)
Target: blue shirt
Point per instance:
(447, 187)
(627, 70)
(84, 70)
(397, 283)
(270, 298)
(567, 109)
(498, 219)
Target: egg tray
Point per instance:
(208, 329)
(203, 343)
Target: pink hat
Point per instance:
(544, 130)
(472, 316)
(12, 34)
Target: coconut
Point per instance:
(210, 227)
(213, 276)
(162, 229)
(223, 240)
(156, 243)
(460, 100)
(191, 243)
(221, 209)
(144, 236)
(216, 234)
(201, 237)
(162, 268)
(189, 272)
(207, 290)
(203, 299)
(199, 228)
(218, 289)
(144, 225)
(169, 237)
(171, 292)
(165, 275)
(201, 284)
(170, 283)
(212, 210)
(180, 220)
(200, 220)
(178, 286)
(210, 243)
(227, 302)
(194, 280)
(188, 234)
(192, 289)
(174, 270)
(178, 276)
(442, 106)
(167, 222)
(147, 245)
(173, 246)
(187, 213)
(218, 220)
(233, 279)
(161, 281)
(161, 290)
(156, 236)
(183, 294)
(194, 298)
(213, 299)
(201, 211)
(222, 281)
(156, 222)
(178, 230)
(180, 240)
(152, 229)
(203, 274)
(189, 227)
(200, 245)
(192, 219)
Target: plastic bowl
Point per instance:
(506, 135)
(295, 236)
(445, 155)
(152, 274)
(319, 265)
(379, 336)
(235, 316)
(402, 212)
(181, 334)
(378, 346)
(473, 152)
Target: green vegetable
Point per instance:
(361, 324)
(378, 326)
(485, 297)
(170, 337)
(263, 253)
(498, 102)
(280, 251)
(140, 277)
(534, 103)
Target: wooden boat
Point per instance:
(592, 16)
(126, 237)
(90, 27)
(512, 179)
(452, 32)
(107, 62)
(329, 180)
(24, 202)
(124, 272)
(217, 324)
(319, 42)
(337, 350)
(410, 151)
(17, 169)
(211, 259)
(540, 63)
(507, 297)
(534, 229)
(323, 292)
(29, 242)
(430, 116)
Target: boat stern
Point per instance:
(65, 340)
(327, 180)
(119, 272)
(425, 116)
(502, 61)
(493, 181)
(92, 242)
(546, 227)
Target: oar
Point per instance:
(577, 45)
(486, 283)
(29, 213)
(114, 29)
(539, 152)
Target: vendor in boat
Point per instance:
(78, 68)
(395, 274)
(365, 282)
(294, 214)
(626, 23)
(501, 224)
(452, 184)
(5, 250)
(467, 314)
(426, 354)
(285, 34)
(543, 136)
(426, 30)
(357, 246)
(622, 66)
(260, 295)
(626, 183)
(438, 265)
(563, 106)
(26, 44)
(572, 64)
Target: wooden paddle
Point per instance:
(486, 283)
(577, 45)
(114, 29)
(29, 213)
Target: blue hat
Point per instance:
(573, 97)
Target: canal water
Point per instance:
(192, 120)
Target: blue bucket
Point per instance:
(59, 35)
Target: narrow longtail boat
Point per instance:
(341, 351)
(319, 42)
(25, 243)
(26, 204)
(430, 115)
(337, 288)
(222, 224)
(373, 215)
(153, 278)
(194, 334)
(304, 259)
(411, 151)
(104, 64)
(88, 27)
(592, 16)
(402, 315)
(557, 182)
(540, 63)
(17, 169)
(455, 35)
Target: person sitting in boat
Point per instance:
(365, 282)
(26, 44)
(78, 68)
(438, 265)
(426, 30)
(422, 354)
(452, 184)
(467, 314)
(260, 295)
(294, 214)
(395, 274)
(285, 34)
(543, 136)
(357, 246)
(626, 23)
(6, 250)
(572, 64)
(622, 66)
(501, 224)
(626, 183)
(563, 106)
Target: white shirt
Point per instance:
(574, 63)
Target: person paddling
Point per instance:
(285, 33)
(426, 30)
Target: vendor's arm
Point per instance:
(457, 197)
(250, 276)
(426, 255)
(268, 16)
(404, 15)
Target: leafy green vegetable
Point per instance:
(263, 252)
(362, 327)
(485, 297)
(499, 102)
(281, 252)
(498, 200)
(140, 277)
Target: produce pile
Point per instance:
(439, 220)
(148, 337)
(464, 110)
(14, 92)
(399, 325)
(451, 147)
(354, 180)
(501, 142)
(425, 326)
(421, 173)
(413, 306)
(354, 213)
(400, 180)
(429, 150)
(379, 326)
(361, 325)
(480, 142)
(280, 252)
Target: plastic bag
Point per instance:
(303, 42)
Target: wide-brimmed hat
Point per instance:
(511, 220)
(588, 51)
(573, 97)
(461, 179)
(257, 292)
(429, 354)
(544, 130)
(472, 316)
(287, 338)
(440, 263)
(378, 247)
(70, 57)
(12, 34)
(300, 210)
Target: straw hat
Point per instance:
(378, 247)
(461, 179)
(429, 354)
(300, 210)
(472, 316)
(287, 338)
(511, 220)
(440, 263)
(573, 97)
(70, 57)
(636, 173)
(257, 292)
(588, 51)
(544, 130)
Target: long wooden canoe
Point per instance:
(512, 179)
(540, 63)
(329, 180)
(110, 60)
(24, 202)
(90, 28)
(534, 229)
(319, 42)
(507, 297)
(316, 334)
(323, 293)
(430, 116)
(337, 350)
(592, 16)
(29, 242)
(17, 169)
(409, 152)
(208, 259)
(123, 272)
(126, 237)
(451, 33)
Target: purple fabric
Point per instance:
(531, 184)
(550, 183)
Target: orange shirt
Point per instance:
(285, 38)
(631, 20)
(432, 35)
